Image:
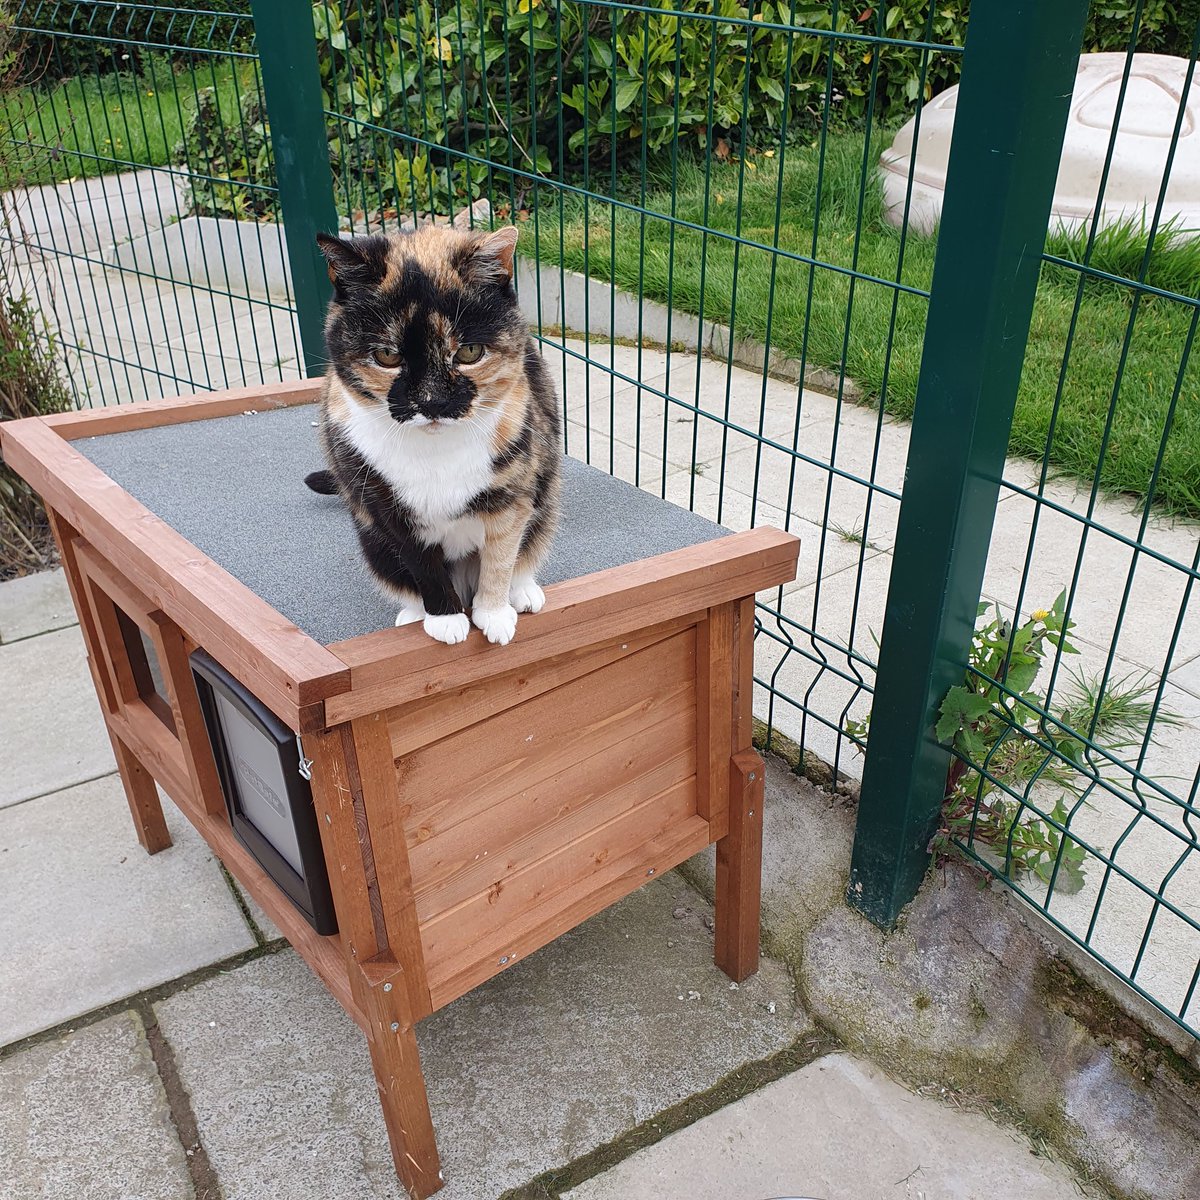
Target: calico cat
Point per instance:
(440, 425)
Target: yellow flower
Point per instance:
(1039, 614)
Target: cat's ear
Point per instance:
(491, 257)
(349, 265)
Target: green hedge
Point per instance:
(628, 79)
(61, 41)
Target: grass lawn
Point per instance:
(99, 124)
(835, 329)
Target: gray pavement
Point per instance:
(260, 1086)
(838, 1129)
(85, 1116)
(52, 713)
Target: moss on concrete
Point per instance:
(800, 762)
(1141, 1051)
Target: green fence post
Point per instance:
(287, 51)
(1019, 66)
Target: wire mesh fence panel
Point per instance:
(1077, 731)
(733, 299)
(701, 229)
(140, 192)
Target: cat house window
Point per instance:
(147, 670)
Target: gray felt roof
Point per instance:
(234, 487)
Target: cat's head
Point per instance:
(426, 323)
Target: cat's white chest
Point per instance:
(436, 473)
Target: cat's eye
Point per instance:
(469, 353)
(387, 358)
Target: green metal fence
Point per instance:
(707, 261)
(108, 95)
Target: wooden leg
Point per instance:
(739, 870)
(140, 791)
(144, 804)
(401, 1084)
(387, 975)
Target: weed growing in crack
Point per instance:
(1024, 760)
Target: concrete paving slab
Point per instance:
(151, 311)
(1151, 840)
(1173, 536)
(88, 917)
(45, 222)
(138, 371)
(597, 1032)
(50, 722)
(242, 257)
(855, 501)
(260, 332)
(837, 1129)
(118, 207)
(643, 468)
(33, 604)
(588, 372)
(724, 422)
(86, 1118)
(1187, 677)
(823, 552)
(1064, 547)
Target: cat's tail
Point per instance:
(322, 482)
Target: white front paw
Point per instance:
(451, 629)
(498, 624)
(526, 596)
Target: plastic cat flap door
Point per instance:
(269, 800)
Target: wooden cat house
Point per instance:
(414, 817)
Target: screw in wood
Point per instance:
(650, 872)
(395, 1026)
(504, 960)
(753, 777)
(387, 987)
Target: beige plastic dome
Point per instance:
(1143, 144)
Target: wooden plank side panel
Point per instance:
(485, 866)
(539, 925)
(473, 855)
(458, 778)
(424, 722)
(395, 666)
(528, 895)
